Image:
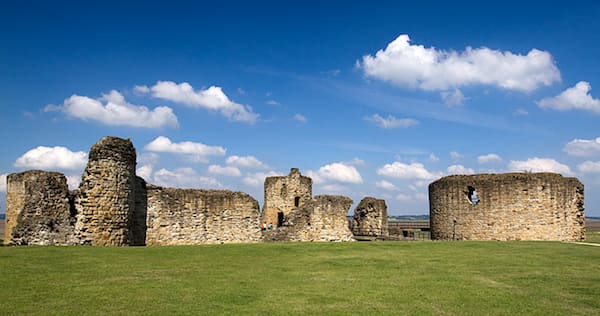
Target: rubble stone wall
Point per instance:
(106, 200)
(322, 219)
(285, 194)
(186, 217)
(38, 211)
(512, 206)
(370, 218)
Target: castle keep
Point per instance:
(511, 206)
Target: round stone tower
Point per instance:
(510, 206)
(106, 198)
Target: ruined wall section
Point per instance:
(37, 209)
(106, 200)
(322, 219)
(512, 206)
(370, 218)
(189, 217)
(285, 194)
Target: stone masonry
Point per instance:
(370, 218)
(283, 195)
(511, 206)
(37, 209)
(187, 217)
(106, 199)
(321, 219)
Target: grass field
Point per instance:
(416, 278)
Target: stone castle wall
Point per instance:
(106, 199)
(370, 218)
(322, 219)
(512, 206)
(38, 211)
(284, 194)
(185, 217)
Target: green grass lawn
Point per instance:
(370, 278)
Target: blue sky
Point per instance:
(375, 98)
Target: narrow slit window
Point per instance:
(297, 201)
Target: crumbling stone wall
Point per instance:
(322, 219)
(185, 217)
(285, 194)
(106, 199)
(37, 209)
(511, 206)
(370, 218)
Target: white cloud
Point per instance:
(489, 158)
(333, 188)
(357, 162)
(184, 178)
(337, 171)
(539, 165)
(141, 90)
(455, 155)
(589, 167)
(459, 169)
(433, 158)
(421, 196)
(453, 98)
(3, 182)
(574, 98)
(212, 98)
(73, 181)
(197, 151)
(258, 178)
(404, 197)
(520, 112)
(51, 158)
(391, 121)
(406, 171)
(112, 109)
(410, 65)
(145, 172)
(246, 162)
(583, 147)
(300, 118)
(272, 102)
(386, 185)
(224, 171)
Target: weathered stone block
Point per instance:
(370, 218)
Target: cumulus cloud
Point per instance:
(300, 118)
(112, 109)
(73, 181)
(459, 169)
(583, 147)
(589, 167)
(401, 170)
(433, 158)
(574, 98)
(539, 165)
(197, 151)
(337, 172)
(489, 158)
(212, 98)
(425, 68)
(333, 188)
(184, 178)
(520, 112)
(386, 185)
(145, 172)
(258, 178)
(391, 121)
(51, 158)
(246, 162)
(3, 182)
(224, 171)
(455, 155)
(453, 98)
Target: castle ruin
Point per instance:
(511, 206)
(370, 218)
(114, 207)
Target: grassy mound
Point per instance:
(302, 278)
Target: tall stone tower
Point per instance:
(285, 194)
(106, 199)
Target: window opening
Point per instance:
(472, 195)
(297, 201)
(279, 219)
